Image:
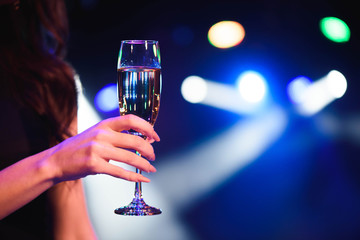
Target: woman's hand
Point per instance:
(84, 154)
(89, 152)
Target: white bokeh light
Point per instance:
(336, 83)
(321, 93)
(297, 87)
(194, 89)
(252, 86)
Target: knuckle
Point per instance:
(129, 176)
(92, 149)
(90, 164)
(129, 119)
(104, 124)
(130, 159)
(101, 124)
(98, 135)
(91, 160)
(137, 142)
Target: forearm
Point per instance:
(85, 154)
(23, 181)
(70, 212)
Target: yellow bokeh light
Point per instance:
(226, 34)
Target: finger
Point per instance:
(127, 157)
(128, 141)
(115, 171)
(133, 122)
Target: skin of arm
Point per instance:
(85, 154)
(71, 220)
(22, 182)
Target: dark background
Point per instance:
(307, 184)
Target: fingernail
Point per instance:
(143, 179)
(157, 138)
(152, 168)
(152, 158)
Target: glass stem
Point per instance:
(138, 185)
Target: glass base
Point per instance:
(137, 207)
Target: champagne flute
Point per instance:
(139, 87)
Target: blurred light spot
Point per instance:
(252, 86)
(335, 29)
(336, 83)
(226, 34)
(198, 90)
(106, 98)
(183, 35)
(194, 89)
(297, 87)
(321, 93)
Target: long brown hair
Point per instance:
(32, 66)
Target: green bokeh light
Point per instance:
(335, 29)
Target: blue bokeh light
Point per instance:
(296, 88)
(106, 99)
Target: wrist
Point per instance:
(47, 168)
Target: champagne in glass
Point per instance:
(139, 92)
(139, 88)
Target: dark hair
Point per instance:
(32, 66)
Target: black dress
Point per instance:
(24, 133)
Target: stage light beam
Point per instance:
(206, 166)
(321, 93)
(195, 89)
(215, 160)
(86, 114)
